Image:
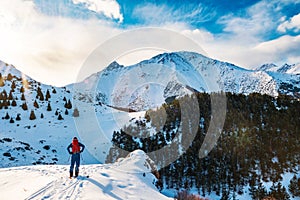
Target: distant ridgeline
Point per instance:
(259, 142)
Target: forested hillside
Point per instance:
(259, 143)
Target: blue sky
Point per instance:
(55, 36)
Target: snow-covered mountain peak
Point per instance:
(267, 67)
(284, 69)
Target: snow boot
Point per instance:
(76, 173)
(71, 174)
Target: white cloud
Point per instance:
(110, 8)
(291, 24)
(50, 49)
(154, 14)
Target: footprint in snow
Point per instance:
(122, 186)
(104, 174)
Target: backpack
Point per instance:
(75, 146)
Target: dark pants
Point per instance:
(75, 160)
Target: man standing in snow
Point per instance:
(77, 148)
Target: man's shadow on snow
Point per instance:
(106, 189)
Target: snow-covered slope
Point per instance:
(129, 178)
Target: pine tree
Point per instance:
(68, 104)
(42, 115)
(35, 104)
(24, 106)
(14, 103)
(7, 116)
(10, 96)
(22, 90)
(23, 97)
(32, 115)
(66, 112)
(9, 77)
(1, 81)
(11, 120)
(13, 85)
(48, 96)
(54, 91)
(18, 118)
(60, 117)
(49, 107)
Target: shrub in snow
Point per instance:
(76, 113)
(7, 154)
(47, 147)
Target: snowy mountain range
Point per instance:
(149, 83)
(38, 121)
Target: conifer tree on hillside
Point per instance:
(4, 95)
(10, 96)
(54, 91)
(32, 115)
(68, 104)
(23, 97)
(48, 96)
(22, 90)
(49, 107)
(9, 77)
(1, 81)
(7, 116)
(24, 106)
(60, 117)
(14, 103)
(11, 120)
(13, 85)
(35, 104)
(18, 118)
